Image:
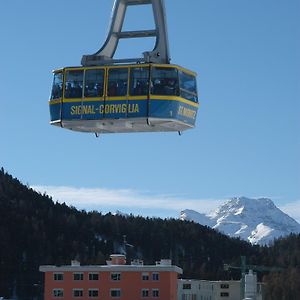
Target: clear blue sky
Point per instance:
(247, 142)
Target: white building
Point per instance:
(189, 289)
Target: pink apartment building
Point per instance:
(116, 280)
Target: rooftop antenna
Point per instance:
(125, 244)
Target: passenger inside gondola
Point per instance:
(68, 90)
(112, 89)
(164, 81)
(139, 81)
(77, 90)
(171, 87)
(57, 86)
(122, 87)
(56, 91)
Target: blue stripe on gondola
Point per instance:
(116, 109)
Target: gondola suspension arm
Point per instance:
(160, 53)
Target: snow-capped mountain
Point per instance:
(258, 221)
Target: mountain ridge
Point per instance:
(259, 221)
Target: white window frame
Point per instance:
(115, 290)
(55, 291)
(77, 290)
(145, 276)
(57, 274)
(186, 286)
(93, 290)
(154, 291)
(155, 276)
(147, 292)
(117, 274)
(92, 274)
(78, 273)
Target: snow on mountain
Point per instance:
(119, 213)
(191, 215)
(258, 221)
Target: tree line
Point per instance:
(35, 230)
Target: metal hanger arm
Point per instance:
(160, 53)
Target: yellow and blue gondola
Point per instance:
(124, 98)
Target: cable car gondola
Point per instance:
(106, 95)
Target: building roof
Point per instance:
(111, 268)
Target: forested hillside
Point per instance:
(34, 230)
(285, 253)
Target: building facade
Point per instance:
(116, 280)
(213, 290)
